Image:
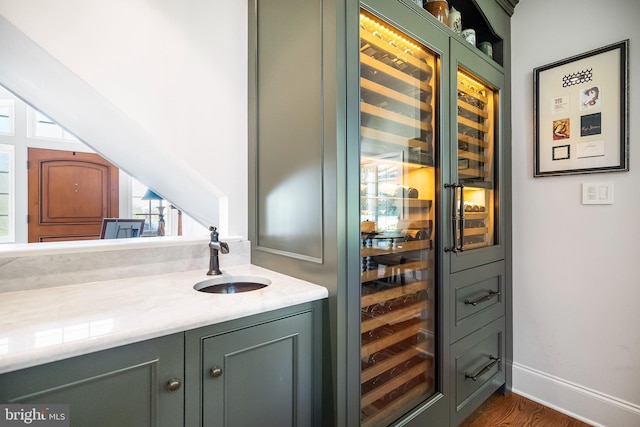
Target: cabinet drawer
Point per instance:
(478, 368)
(477, 298)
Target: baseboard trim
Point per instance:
(584, 404)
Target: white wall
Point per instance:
(576, 267)
(177, 69)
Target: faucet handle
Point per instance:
(214, 233)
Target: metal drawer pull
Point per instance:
(484, 370)
(482, 299)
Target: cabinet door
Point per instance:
(477, 231)
(259, 376)
(400, 129)
(122, 387)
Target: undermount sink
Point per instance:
(232, 284)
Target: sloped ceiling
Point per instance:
(43, 82)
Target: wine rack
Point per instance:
(475, 160)
(397, 195)
(396, 110)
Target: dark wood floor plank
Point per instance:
(517, 411)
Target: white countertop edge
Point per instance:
(8, 250)
(133, 324)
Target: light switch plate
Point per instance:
(597, 193)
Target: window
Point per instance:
(7, 223)
(41, 126)
(7, 119)
(150, 206)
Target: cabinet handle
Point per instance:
(461, 217)
(484, 370)
(457, 218)
(215, 373)
(173, 385)
(482, 299)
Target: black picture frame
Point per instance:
(581, 109)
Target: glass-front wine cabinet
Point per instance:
(474, 222)
(397, 204)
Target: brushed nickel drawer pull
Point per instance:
(482, 299)
(484, 370)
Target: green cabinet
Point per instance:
(130, 386)
(257, 373)
(477, 276)
(258, 370)
(402, 141)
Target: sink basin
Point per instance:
(232, 284)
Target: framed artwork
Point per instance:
(121, 228)
(581, 113)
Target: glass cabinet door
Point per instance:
(476, 153)
(476, 235)
(397, 197)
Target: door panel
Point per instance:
(400, 135)
(477, 231)
(123, 386)
(259, 376)
(69, 194)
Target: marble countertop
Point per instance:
(44, 325)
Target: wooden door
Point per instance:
(69, 194)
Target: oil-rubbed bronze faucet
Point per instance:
(215, 246)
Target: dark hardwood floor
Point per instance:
(517, 411)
